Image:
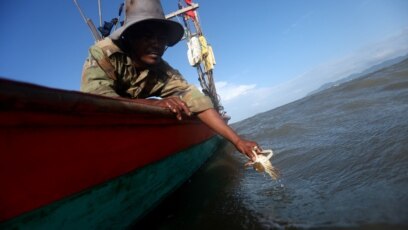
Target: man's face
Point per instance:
(147, 46)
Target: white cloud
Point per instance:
(228, 92)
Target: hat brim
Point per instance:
(175, 29)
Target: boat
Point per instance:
(71, 160)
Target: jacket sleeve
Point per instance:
(94, 79)
(177, 86)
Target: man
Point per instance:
(129, 64)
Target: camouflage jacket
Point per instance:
(109, 71)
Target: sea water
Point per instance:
(343, 158)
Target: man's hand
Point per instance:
(248, 147)
(175, 105)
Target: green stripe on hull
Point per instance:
(119, 202)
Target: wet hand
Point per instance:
(248, 148)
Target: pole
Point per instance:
(182, 11)
(89, 22)
(100, 13)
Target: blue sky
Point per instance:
(268, 52)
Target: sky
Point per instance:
(268, 52)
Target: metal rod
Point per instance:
(95, 33)
(182, 11)
(100, 13)
(80, 11)
(89, 22)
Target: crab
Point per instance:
(263, 164)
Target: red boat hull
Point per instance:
(55, 143)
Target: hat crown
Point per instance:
(143, 11)
(137, 10)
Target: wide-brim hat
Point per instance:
(147, 11)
